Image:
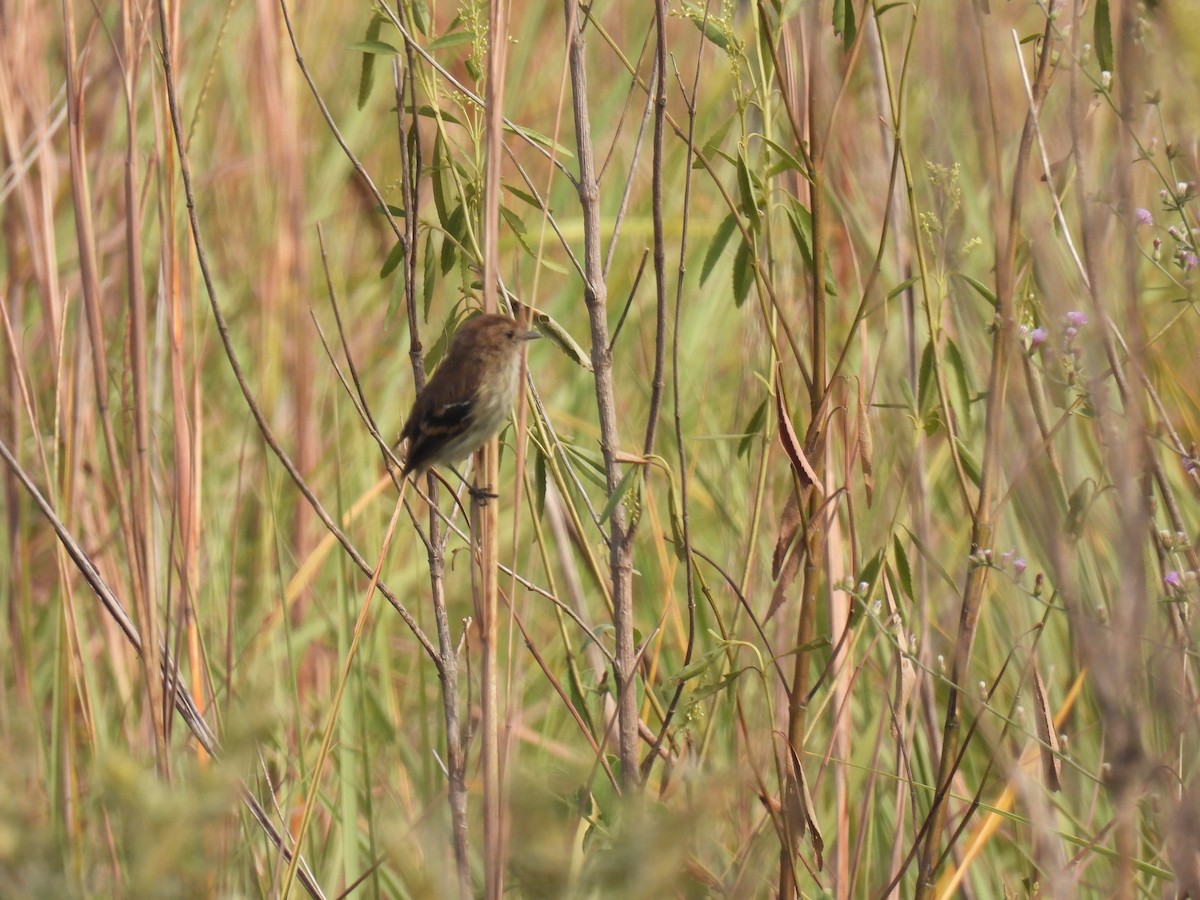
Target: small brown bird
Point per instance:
(469, 396)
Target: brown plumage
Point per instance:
(469, 396)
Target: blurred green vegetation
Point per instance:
(1092, 570)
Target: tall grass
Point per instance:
(845, 531)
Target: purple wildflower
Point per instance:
(1190, 260)
(1143, 217)
(1173, 580)
(1038, 336)
(1077, 318)
(1019, 566)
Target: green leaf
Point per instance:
(541, 478)
(746, 192)
(440, 164)
(699, 666)
(720, 238)
(430, 112)
(394, 258)
(1103, 36)
(705, 24)
(903, 286)
(619, 493)
(726, 681)
(420, 14)
(959, 369)
(375, 48)
(522, 195)
(743, 273)
(925, 381)
(788, 161)
(903, 569)
(538, 138)
(844, 23)
(752, 429)
(969, 463)
(396, 211)
(712, 147)
(366, 79)
(453, 39)
(553, 331)
(801, 222)
(870, 572)
(430, 277)
(981, 289)
(396, 295)
(454, 238)
(518, 229)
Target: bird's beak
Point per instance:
(531, 335)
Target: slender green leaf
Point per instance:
(366, 78)
(619, 493)
(453, 39)
(720, 238)
(1103, 36)
(749, 202)
(743, 273)
(376, 48)
(903, 569)
(394, 258)
(456, 236)
(429, 279)
(706, 25)
(958, 369)
(981, 289)
(752, 429)
(902, 287)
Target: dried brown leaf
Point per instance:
(787, 437)
(789, 525)
(799, 812)
(1051, 762)
(791, 568)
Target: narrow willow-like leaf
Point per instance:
(866, 443)
(556, 334)
(619, 493)
(366, 78)
(749, 202)
(375, 48)
(453, 39)
(1103, 36)
(958, 369)
(705, 25)
(394, 258)
(429, 278)
(753, 427)
(903, 570)
(720, 238)
(456, 235)
(743, 274)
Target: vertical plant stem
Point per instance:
(90, 278)
(595, 297)
(814, 535)
(983, 520)
(487, 515)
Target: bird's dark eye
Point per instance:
(511, 333)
